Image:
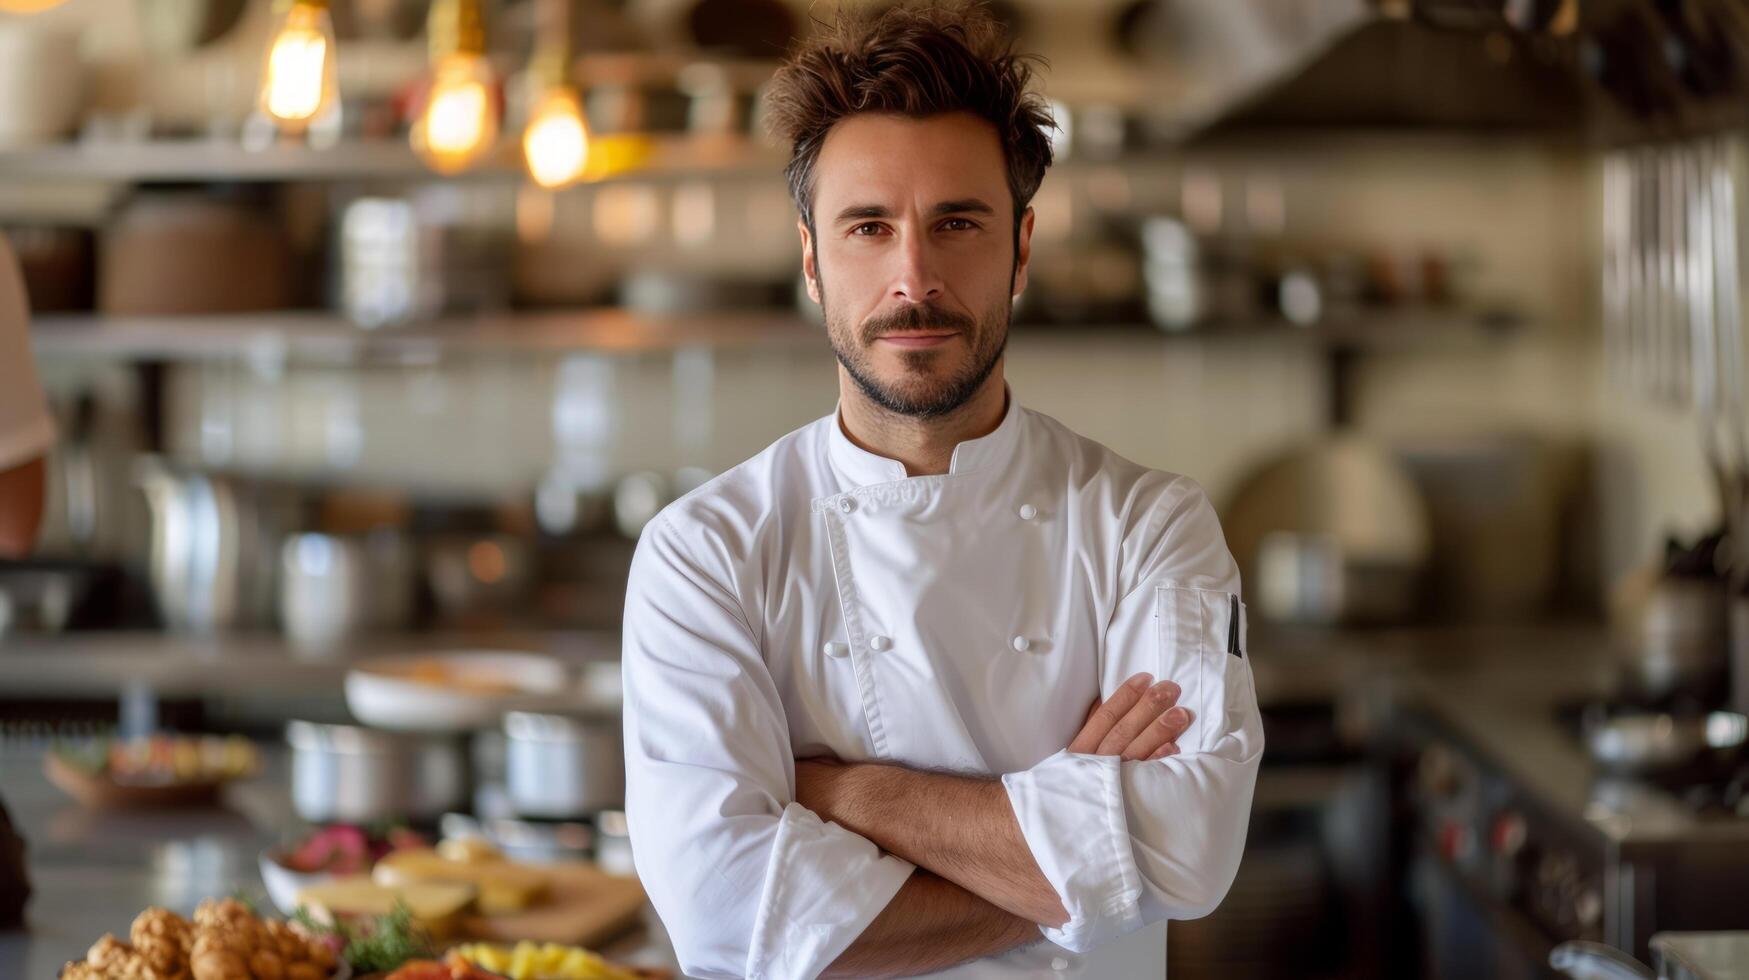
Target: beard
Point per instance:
(921, 391)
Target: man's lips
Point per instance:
(917, 340)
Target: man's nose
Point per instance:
(917, 279)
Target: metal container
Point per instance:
(334, 587)
(564, 765)
(1683, 639)
(215, 543)
(405, 260)
(359, 775)
(613, 843)
(1740, 654)
(1333, 532)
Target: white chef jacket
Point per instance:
(817, 601)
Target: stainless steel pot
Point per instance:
(1683, 639)
(214, 546)
(333, 587)
(360, 775)
(564, 765)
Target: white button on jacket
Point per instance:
(753, 607)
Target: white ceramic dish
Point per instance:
(451, 692)
(284, 884)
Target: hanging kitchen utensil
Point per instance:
(1617, 258)
(1707, 344)
(1643, 284)
(1727, 284)
(1674, 263)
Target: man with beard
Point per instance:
(932, 685)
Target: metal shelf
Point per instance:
(226, 161)
(324, 338)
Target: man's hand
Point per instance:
(1139, 722)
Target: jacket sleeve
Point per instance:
(1127, 844)
(747, 882)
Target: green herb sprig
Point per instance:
(388, 942)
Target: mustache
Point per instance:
(915, 317)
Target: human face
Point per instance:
(914, 226)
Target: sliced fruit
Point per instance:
(436, 906)
(504, 886)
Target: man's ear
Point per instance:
(1023, 252)
(809, 270)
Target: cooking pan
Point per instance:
(1638, 743)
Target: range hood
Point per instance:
(1607, 70)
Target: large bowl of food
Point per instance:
(157, 771)
(224, 940)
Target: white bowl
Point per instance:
(284, 884)
(383, 691)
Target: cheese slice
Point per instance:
(437, 907)
(503, 886)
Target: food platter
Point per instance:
(158, 772)
(224, 938)
(453, 691)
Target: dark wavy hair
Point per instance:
(918, 61)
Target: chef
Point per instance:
(933, 685)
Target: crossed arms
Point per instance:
(978, 891)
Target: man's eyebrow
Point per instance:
(860, 212)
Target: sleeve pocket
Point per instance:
(1199, 634)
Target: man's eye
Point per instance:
(962, 223)
(865, 229)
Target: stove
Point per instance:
(1516, 841)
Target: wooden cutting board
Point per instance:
(587, 907)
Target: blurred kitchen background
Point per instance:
(1439, 299)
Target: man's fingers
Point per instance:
(1161, 732)
(1105, 716)
(1170, 748)
(1150, 706)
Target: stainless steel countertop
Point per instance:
(1499, 690)
(1704, 955)
(93, 871)
(101, 664)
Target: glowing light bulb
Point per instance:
(556, 142)
(459, 123)
(298, 78)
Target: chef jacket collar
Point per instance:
(860, 468)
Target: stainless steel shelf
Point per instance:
(245, 664)
(327, 339)
(198, 161)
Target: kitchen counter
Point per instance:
(94, 871)
(1495, 688)
(171, 665)
(1703, 955)
(1506, 704)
